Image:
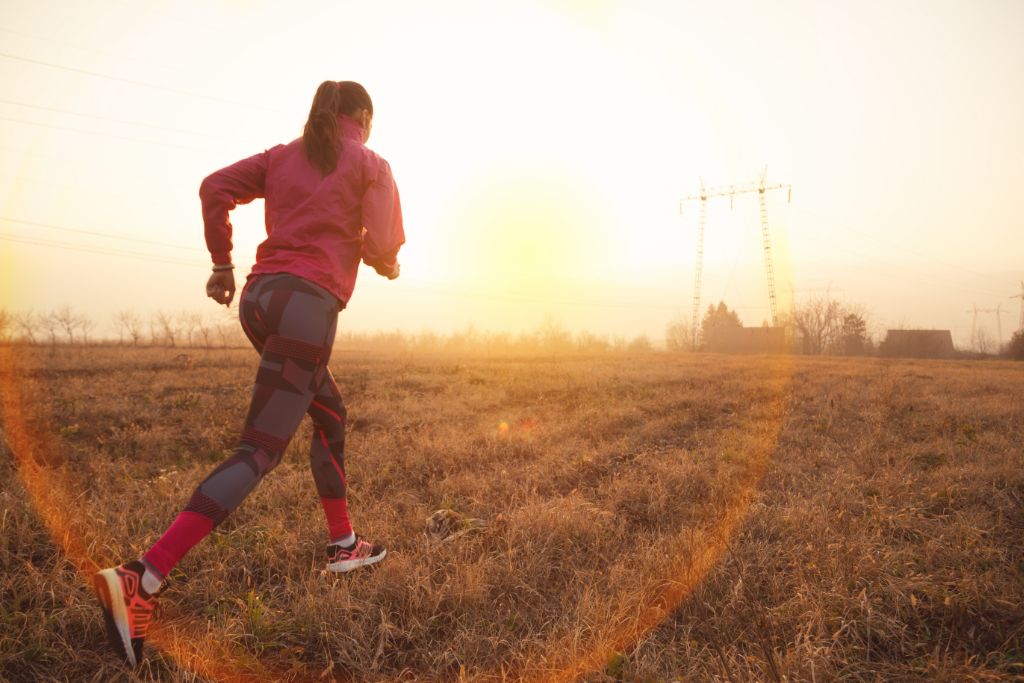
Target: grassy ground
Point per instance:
(649, 517)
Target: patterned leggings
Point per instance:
(292, 323)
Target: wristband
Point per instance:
(223, 266)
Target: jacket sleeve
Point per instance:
(223, 190)
(382, 218)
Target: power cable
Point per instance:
(79, 231)
(112, 136)
(94, 50)
(892, 245)
(7, 237)
(99, 117)
(899, 272)
(142, 84)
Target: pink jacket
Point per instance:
(317, 227)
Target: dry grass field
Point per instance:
(649, 517)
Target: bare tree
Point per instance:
(679, 334)
(817, 323)
(227, 330)
(224, 333)
(128, 325)
(641, 344)
(49, 323)
(164, 327)
(188, 321)
(26, 323)
(589, 342)
(552, 336)
(66, 320)
(985, 342)
(133, 325)
(205, 329)
(85, 325)
(6, 324)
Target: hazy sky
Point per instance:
(541, 149)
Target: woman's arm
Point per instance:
(223, 190)
(382, 220)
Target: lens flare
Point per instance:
(187, 640)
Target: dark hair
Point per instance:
(320, 136)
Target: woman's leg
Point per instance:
(327, 458)
(293, 322)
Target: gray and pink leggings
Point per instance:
(292, 323)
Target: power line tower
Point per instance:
(999, 324)
(1020, 324)
(761, 187)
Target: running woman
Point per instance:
(330, 203)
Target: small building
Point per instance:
(727, 339)
(917, 344)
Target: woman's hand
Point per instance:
(221, 286)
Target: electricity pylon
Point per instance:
(761, 187)
(999, 324)
(1020, 324)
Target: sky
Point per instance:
(542, 149)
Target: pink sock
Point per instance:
(187, 529)
(336, 511)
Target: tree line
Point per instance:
(818, 326)
(187, 329)
(64, 325)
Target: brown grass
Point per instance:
(650, 517)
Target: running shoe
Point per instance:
(359, 554)
(127, 607)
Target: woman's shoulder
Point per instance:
(374, 165)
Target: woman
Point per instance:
(330, 203)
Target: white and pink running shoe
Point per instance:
(359, 554)
(127, 608)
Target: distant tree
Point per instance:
(67, 321)
(463, 339)
(428, 341)
(163, 327)
(679, 335)
(50, 325)
(551, 336)
(129, 326)
(85, 325)
(641, 344)
(853, 335)
(205, 329)
(1015, 348)
(229, 332)
(590, 342)
(983, 342)
(719, 318)
(817, 324)
(26, 323)
(6, 324)
(189, 323)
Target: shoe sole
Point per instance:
(108, 589)
(349, 565)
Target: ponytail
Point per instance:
(320, 135)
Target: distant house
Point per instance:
(917, 344)
(727, 339)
